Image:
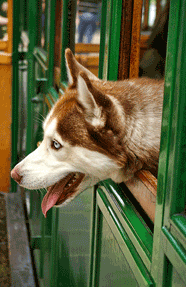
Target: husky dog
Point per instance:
(96, 130)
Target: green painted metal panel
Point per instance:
(175, 252)
(138, 269)
(176, 181)
(171, 182)
(15, 89)
(176, 279)
(102, 37)
(122, 253)
(136, 228)
(54, 248)
(178, 228)
(70, 257)
(51, 41)
(110, 34)
(32, 14)
(114, 269)
(68, 33)
(114, 44)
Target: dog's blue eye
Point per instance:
(56, 145)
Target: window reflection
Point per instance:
(43, 24)
(3, 20)
(88, 21)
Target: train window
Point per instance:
(86, 15)
(43, 22)
(87, 37)
(154, 31)
(5, 25)
(43, 15)
(3, 20)
(58, 43)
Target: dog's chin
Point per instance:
(66, 189)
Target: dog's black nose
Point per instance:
(15, 175)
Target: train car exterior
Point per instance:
(111, 235)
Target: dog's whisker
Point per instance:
(38, 120)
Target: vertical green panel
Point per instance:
(114, 269)
(102, 37)
(171, 184)
(96, 244)
(167, 267)
(68, 32)
(176, 181)
(47, 22)
(110, 39)
(15, 88)
(51, 41)
(177, 280)
(115, 39)
(107, 32)
(73, 242)
(130, 253)
(94, 240)
(54, 248)
(38, 20)
(32, 16)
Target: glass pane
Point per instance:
(74, 241)
(177, 280)
(3, 20)
(88, 20)
(43, 22)
(58, 43)
(114, 269)
(154, 31)
(87, 37)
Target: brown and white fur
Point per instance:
(96, 130)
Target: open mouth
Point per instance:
(61, 191)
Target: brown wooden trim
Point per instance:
(158, 9)
(143, 44)
(130, 39)
(5, 58)
(48, 102)
(146, 16)
(58, 24)
(144, 41)
(149, 180)
(143, 186)
(87, 60)
(3, 45)
(10, 26)
(62, 87)
(135, 40)
(57, 76)
(125, 40)
(87, 48)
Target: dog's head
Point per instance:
(81, 144)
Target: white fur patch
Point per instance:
(93, 112)
(118, 107)
(46, 166)
(47, 118)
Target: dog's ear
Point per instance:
(74, 68)
(85, 97)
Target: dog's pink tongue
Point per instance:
(51, 197)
